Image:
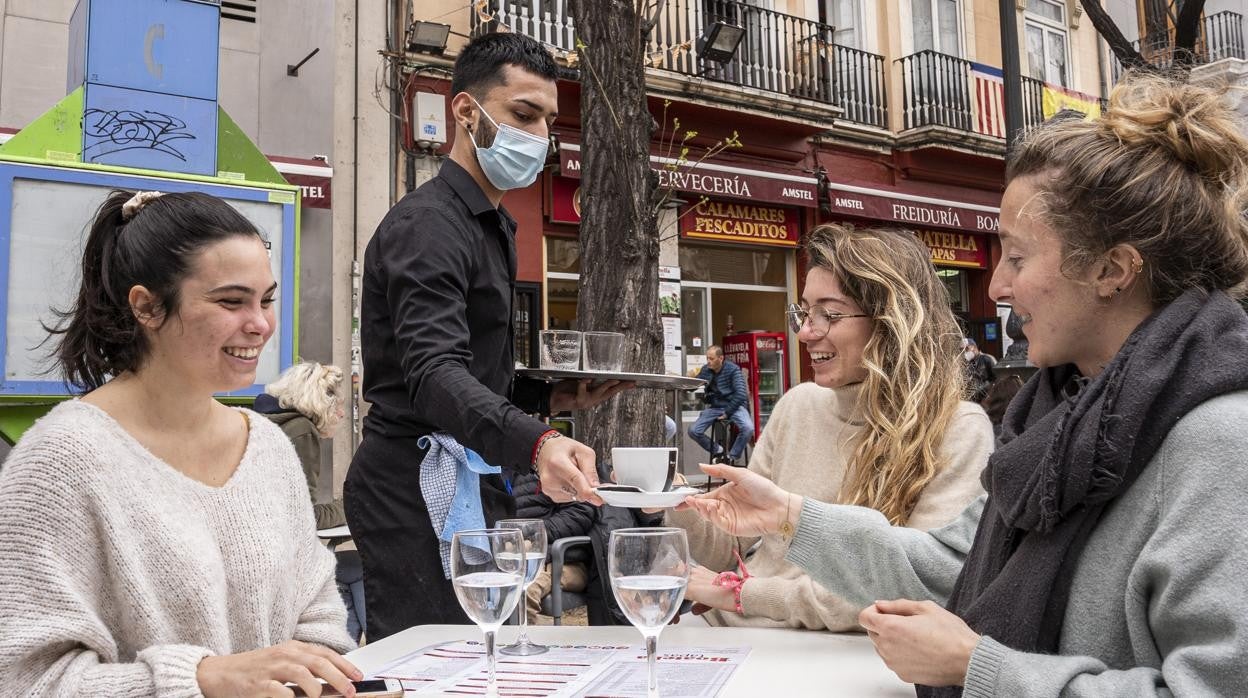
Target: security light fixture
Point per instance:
(428, 37)
(721, 41)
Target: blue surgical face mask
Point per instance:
(515, 157)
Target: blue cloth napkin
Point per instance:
(450, 481)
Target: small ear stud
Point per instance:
(1117, 290)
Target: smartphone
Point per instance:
(373, 688)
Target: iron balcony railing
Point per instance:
(954, 93)
(860, 87)
(936, 91)
(778, 53)
(1222, 36)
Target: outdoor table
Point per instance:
(781, 662)
(335, 536)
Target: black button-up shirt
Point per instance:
(436, 327)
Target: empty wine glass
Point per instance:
(649, 570)
(534, 533)
(487, 581)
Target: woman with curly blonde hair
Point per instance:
(881, 425)
(1108, 556)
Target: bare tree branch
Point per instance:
(648, 22)
(1187, 32)
(1126, 53)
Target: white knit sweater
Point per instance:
(803, 449)
(118, 573)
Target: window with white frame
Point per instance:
(934, 24)
(1047, 41)
(845, 16)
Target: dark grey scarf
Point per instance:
(1071, 446)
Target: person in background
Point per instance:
(154, 542)
(881, 425)
(998, 398)
(979, 369)
(727, 399)
(1108, 558)
(306, 402)
(562, 521)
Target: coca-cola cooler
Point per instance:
(761, 355)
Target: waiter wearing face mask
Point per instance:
(438, 353)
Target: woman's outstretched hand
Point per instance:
(748, 505)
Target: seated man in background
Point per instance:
(726, 399)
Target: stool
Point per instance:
(723, 433)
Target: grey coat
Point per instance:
(1159, 602)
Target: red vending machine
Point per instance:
(761, 356)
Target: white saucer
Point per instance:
(647, 500)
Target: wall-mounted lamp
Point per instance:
(721, 41)
(822, 190)
(293, 70)
(552, 152)
(673, 203)
(428, 37)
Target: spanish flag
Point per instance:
(1057, 98)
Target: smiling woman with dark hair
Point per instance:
(152, 540)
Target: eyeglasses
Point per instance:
(821, 319)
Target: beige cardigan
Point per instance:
(803, 450)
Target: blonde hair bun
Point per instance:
(1195, 123)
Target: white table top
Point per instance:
(781, 662)
(335, 532)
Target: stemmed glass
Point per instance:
(534, 533)
(487, 581)
(649, 570)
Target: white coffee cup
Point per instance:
(651, 468)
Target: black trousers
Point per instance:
(403, 581)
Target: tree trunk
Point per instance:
(619, 239)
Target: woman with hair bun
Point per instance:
(882, 425)
(1108, 556)
(154, 542)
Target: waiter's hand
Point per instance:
(567, 471)
(577, 395)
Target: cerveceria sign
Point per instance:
(716, 180)
(721, 220)
(955, 249)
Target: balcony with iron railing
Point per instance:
(1222, 37)
(778, 54)
(940, 91)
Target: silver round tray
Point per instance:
(643, 380)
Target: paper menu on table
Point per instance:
(683, 672)
(566, 671)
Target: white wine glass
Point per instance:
(649, 570)
(534, 533)
(487, 582)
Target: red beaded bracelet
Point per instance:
(537, 448)
(731, 580)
